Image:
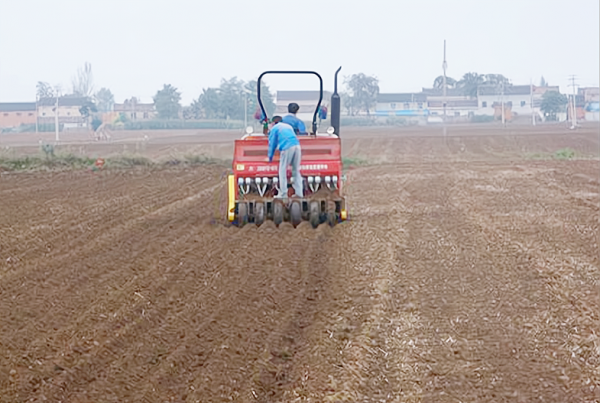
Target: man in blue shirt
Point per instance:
(282, 137)
(292, 120)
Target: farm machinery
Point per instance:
(254, 182)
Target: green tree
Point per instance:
(265, 94)
(230, 99)
(104, 99)
(194, 111)
(438, 83)
(470, 82)
(210, 102)
(44, 90)
(231, 94)
(88, 108)
(543, 82)
(167, 102)
(96, 123)
(83, 81)
(348, 103)
(553, 103)
(496, 80)
(363, 91)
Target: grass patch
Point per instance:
(30, 163)
(56, 161)
(196, 159)
(354, 161)
(128, 161)
(564, 154)
(538, 156)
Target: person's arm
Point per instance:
(272, 142)
(301, 127)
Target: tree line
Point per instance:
(235, 97)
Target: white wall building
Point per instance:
(69, 115)
(307, 100)
(407, 104)
(519, 97)
(591, 100)
(458, 105)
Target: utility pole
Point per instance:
(56, 127)
(37, 118)
(531, 101)
(444, 66)
(245, 110)
(56, 119)
(502, 100)
(574, 110)
(246, 92)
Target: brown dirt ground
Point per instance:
(469, 271)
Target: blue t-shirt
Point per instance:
(296, 123)
(281, 137)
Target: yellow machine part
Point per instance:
(344, 214)
(230, 198)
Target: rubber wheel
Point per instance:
(295, 214)
(259, 213)
(314, 214)
(242, 214)
(277, 212)
(331, 219)
(331, 215)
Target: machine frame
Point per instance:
(253, 183)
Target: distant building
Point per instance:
(15, 114)
(591, 103)
(592, 112)
(458, 105)
(135, 110)
(538, 93)
(590, 94)
(401, 104)
(519, 97)
(69, 116)
(579, 106)
(307, 100)
(522, 100)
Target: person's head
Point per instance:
(276, 119)
(293, 108)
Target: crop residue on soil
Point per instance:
(453, 281)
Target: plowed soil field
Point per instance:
(469, 271)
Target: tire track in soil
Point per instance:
(50, 274)
(80, 214)
(410, 300)
(51, 305)
(561, 248)
(350, 355)
(77, 232)
(274, 375)
(449, 309)
(378, 329)
(265, 366)
(488, 297)
(149, 310)
(81, 380)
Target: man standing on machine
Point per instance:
(282, 137)
(293, 120)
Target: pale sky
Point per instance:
(136, 46)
